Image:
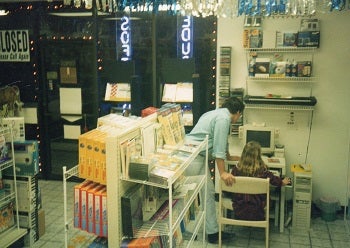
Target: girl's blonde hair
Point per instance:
(251, 163)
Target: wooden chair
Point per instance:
(244, 185)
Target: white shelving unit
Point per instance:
(297, 86)
(117, 186)
(13, 233)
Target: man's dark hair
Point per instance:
(234, 105)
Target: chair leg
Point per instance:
(267, 237)
(277, 211)
(220, 241)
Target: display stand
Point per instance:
(117, 185)
(12, 233)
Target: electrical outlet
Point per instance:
(277, 133)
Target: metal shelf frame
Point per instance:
(117, 186)
(14, 233)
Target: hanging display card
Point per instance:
(70, 101)
(118, 92)
(179, 92)
(68, 72)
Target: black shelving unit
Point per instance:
(56, 147)
(121, 72)
(175, 71)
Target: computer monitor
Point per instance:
(264, 135)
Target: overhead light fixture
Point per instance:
(76, 14)
(119, 18)
(3, 12)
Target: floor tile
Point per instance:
(322, 234)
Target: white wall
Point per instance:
(321, 139)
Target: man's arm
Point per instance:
(227, 177)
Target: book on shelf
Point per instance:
(189, 145)
(118, 92)
(128, 149)
(165, 119)
(178, 92)
(131, 209)
(160, 175)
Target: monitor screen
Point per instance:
(264, 135)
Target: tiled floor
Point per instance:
(333, 234)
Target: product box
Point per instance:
(17, 125)
(26, 158)
(28, 219)
(252, 38)
(84, 160)
(27, 191)
(101, 220)
(91, 205)
(148, 111)
(77, 203)
(309, 39)
(262, 67)
(290, 39)
(6, 217)
(5, 148)
(85, 204)
(99, 164)
(304, 68)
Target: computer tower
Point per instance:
(302, 200)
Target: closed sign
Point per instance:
(14, 46)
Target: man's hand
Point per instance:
(228, 178)
(233, 158)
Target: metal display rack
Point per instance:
(117, 185)
(13, 233)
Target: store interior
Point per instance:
(76, 50)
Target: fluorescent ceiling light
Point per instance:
(3, 12)
(119, 18)
(76, 14)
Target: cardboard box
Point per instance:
(309, 39)
(17, 125)
(26, 158)
(41, 222)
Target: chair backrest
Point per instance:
(245, 185)
(248, 185)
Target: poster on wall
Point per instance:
(14, 46)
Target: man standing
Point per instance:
(216, 124)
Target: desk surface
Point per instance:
(274, 162)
